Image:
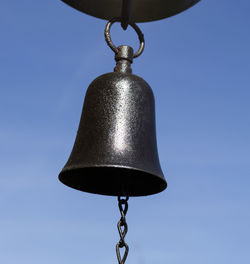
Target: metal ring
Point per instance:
(134, 26)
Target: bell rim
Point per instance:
(159, 178)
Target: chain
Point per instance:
(123, 229)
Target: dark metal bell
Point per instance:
(115, 152)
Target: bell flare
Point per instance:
(115, 151)
(118, 181)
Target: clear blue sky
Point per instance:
(198, 65)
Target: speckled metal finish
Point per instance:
(115, 151)
(141, 10)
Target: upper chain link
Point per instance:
(134, 26)
(122, 229)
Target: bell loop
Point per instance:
(134, 26)
(124, 58)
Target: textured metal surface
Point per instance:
(141, 10)
(115, 152)
(124, 58)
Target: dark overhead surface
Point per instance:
(141, 10)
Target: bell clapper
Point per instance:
(122, 229)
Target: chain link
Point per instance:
(122, 229)
(134, 26)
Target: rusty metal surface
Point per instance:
(141, 10)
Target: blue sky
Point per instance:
(198, 65)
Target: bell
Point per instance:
(115, 151)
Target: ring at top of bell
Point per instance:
(141, 10)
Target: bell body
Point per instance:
(115, 151)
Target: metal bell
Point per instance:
(115, 151)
